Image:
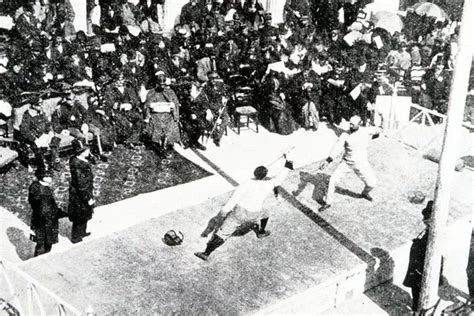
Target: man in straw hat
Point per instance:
(246, 206)
(354, 158)
(81, 197)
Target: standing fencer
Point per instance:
(355, 158)
(246, 206)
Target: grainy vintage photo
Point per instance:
(236, 157)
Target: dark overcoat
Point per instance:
(80, 190)
(416, 262)
(44, 218)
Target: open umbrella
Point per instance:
(430, 9)
(388, 21)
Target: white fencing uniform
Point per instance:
(355, 159)
(246, 203)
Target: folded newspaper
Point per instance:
(162, 107)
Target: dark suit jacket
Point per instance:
(44, 218)
(80, 190)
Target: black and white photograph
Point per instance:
(236, 157)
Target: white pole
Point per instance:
(457, 101)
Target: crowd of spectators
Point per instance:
(148, 86)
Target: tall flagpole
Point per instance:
(457, 101)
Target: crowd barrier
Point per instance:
(20, 294)
(415, 126)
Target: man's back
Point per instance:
(252, 194)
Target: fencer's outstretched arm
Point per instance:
(279, 174)
(335, 151)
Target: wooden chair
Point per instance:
(246, 114)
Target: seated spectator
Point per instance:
(191, 13)
(123, 105)
(68, 117)
(97, 123)
(162, 110)
(216, 93)
(93, 23)
(196, 116)
(207, 64)
(279, 117)
(405, 58)
(151, 9)
(36, 132)
(253, 11)
(415, 55)
(119, 93)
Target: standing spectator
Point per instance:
(416, 261)
(44, 219)
(436, 83)
(81, 197)
(470, 269)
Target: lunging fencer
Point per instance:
(354, 158)
(246, 206)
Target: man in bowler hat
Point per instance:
(45, 215)
(81, 197)
(416, 261)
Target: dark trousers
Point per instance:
(78, 230)
(470, 269)
(42, 248)
(415, 293)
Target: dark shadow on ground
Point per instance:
(447, 292)
(213, 225)
(23, 246)
(349, 193)
(328, 228)
(388, 296)
(216, 222)
(391, 298)
(320, 181)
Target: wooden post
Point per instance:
(449, 155)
